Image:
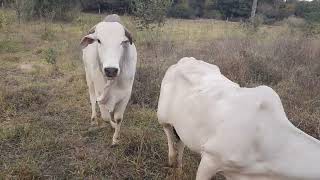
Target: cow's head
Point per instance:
(112, 39)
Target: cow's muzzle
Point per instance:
(111, 72)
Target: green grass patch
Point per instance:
(10, 46)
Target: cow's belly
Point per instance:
(265, 176)
(191, 123)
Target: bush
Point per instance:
(309, 10)
(313, 16)
(48, 34)
(253, 25)
(181, 11)
(46, 9)
(5, 20)
(10, 46)
(212, 14)
(150, 12)
(295, 22)
(50, 56)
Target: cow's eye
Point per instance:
(99, 41)
(124, 42)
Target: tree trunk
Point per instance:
(254, 9)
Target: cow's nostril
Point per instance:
(111, 72)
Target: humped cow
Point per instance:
(109, 57)
(242, 132)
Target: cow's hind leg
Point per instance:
(180, 148)
(208, 167)
(175, 146)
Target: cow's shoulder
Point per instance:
(191, 72)
(113, 18)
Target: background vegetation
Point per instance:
(234, 10)
(44, 103)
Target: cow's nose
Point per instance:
(111, 72)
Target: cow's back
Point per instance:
(183, 99)
(201, 104)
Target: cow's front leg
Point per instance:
(93, 102)
(94, 119)
(105, 115)
(116, 120)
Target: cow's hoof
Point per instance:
(172, 165)
(179, 171)
(94, 122)
(167, 165)
(114, 145)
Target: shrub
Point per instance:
(10, 46)
(309, 10)
(257, 21)
(5, 20)
(181, 11)
(260, 71)
(150, 12)
(313, 16)
(50, 56)
(253, 25)
(46, 9)
(295, 22)
(48, 34)
(212, 14)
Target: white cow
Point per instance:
(109, 57)
(242, 132)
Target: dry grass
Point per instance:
(44, 108)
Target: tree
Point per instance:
(114, 6)
(49, 9)
(254, 9)
(234, 8)
(150, 12)
(197, 6)
(18, 6)
(181, 9)
(309, 10)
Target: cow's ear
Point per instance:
(128, 35)
(88, 39)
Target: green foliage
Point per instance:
(13, 134)
(251, 27)
(286, 10)
(211, 10)
(234, 8)
(309, 10)
(4, 20)
(181, 10)
(10, 46)
(150, 13)
(46, 9)
(197, 6)
(212, 14)
(114, 6)
(50, 56)
(48, 34)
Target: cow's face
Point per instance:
(112, 39)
